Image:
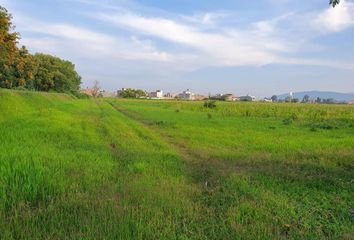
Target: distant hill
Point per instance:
(347, 97)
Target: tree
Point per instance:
(18, 68)
(25, 68)
(96, 89)
(132, 93)
(318, 100)
(8, 49)
(334, 2)
(274, 98)
(306, 99)
(55, 74)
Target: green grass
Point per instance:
(132, 169)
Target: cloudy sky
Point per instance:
(257, 47)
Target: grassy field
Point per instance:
(138, 169)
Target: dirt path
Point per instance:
(205, 172)
(181, 150)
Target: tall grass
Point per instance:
(245, 109)
(267, 171)
(124, 169)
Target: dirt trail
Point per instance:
(205, 172)
(181, 150)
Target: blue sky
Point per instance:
(261, 47)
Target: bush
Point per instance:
(210, 104)
(287, 121)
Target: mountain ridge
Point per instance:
(347, 97)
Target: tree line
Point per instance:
(132, 93)
(21, 70)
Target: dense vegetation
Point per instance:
(131, 93)
(139, 169)
(19, 69)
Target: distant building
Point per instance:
(267, 100)
(228, 97)
(170, 96)
(247, 98)
(199, 97)
(186, 95)
(216, 97)
(88, 91)
(158, 94)
(107, 94)
(224, 97)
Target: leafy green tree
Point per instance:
(8, 49)
(132, 93)
(18, 68)
(55, 74)
(24, 69)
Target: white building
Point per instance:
(267, 100)
(247, 98)
(186, 95)
(158, 94)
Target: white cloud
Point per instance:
(56, 38)
(4, 2)
(336, 19)
(208, 19)
(203, 39)
(227, 47)
(197, 41)
(260, 44)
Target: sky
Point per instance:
(261, 47)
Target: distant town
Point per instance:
(189, 95)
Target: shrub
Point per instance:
(287, 121)
(210, 104)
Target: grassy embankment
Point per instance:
(115, 169)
